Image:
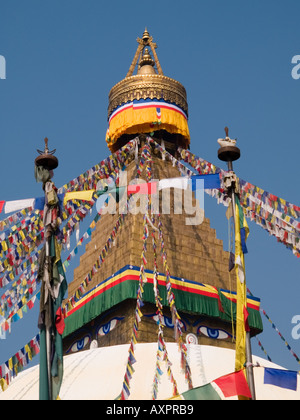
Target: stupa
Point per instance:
(143, 104)
(157, 318)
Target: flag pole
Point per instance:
(228, 152)
(48, 329)
(45, 163)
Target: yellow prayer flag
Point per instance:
(10, 364)
(3, 384)
(28, 351)
(79, 195)
(241, 303)
(4, 246)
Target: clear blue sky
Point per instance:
(234, 59)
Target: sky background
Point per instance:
(234, 59)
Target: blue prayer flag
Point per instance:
(282, 378)
(211, 181)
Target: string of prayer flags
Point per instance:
(275, 215)
(16, 363)
(277, 203)
(281, 336)
(12, 250)
(86, 235)
(170, 295)
(263, 349)
(88, 180)
(125, 392)
(101, 258)
(110, 166)
(162, 353)
(39, 203)
(16, 315)
(171, 300)
(14, 263)
(175, 316)
(278, 332)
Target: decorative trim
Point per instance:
(152, 86)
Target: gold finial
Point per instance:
(146, 58)
(146, 64)
(146, 36)
(143, 42)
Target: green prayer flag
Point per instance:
(203, 393)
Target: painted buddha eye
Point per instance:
(214, 333)
(109, 326)
(79, 344)
(167, 322)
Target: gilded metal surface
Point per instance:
(146, 83)
(144, 86)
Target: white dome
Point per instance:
(98, 374)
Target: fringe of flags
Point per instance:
(125, 392)
(21, 234)
(162, 353)
(146, 160)
(274, 214)
(10, 369)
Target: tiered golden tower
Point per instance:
(149, 103)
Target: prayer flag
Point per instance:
(145, 188)
(39, 203)
(211, 181)
(244, 229)
(13, 206)
(1, 205)
(79, 195)
(181, 183)
(241, 304)
(234, 384)
(46, 308)
(282, 378)
(201, 393)
(227, 386)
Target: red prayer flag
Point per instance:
(147, 188)
(5, 326)
(234, 384)
(30, 304)
(246, 316)
(1, 205)
(59, 321)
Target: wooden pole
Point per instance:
(228, 152)
(249, 362)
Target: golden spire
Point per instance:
(149, 83)
(146, 64)
(145, 41)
